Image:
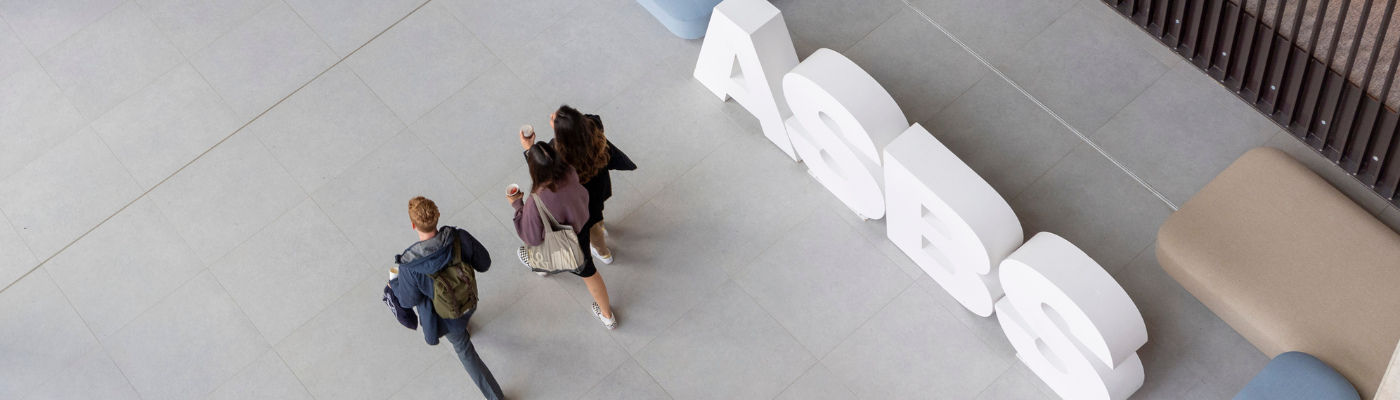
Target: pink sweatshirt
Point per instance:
(568, 202)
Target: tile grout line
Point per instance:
(750, 296)
(191, 63)
(85, 352)
(605, 377)
(273, 350)
(1057, 117)
(964, 324)
(872, 31)
(371, 264)
(261, 335)
(1127, 35)
(22, 45)
(804, 373)
(1037, 179)
(114, 363)
(912, 280)
(407, 383)
(75, 33)
(499, 62)
(143, 85)
(1018, 48)
(913, 284)
(21, 240)
(503, 60)
(1011, 368)
(683, 313)
(201, 48)
(272, 346)
(201, 155)
(408, 125)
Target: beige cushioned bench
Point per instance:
(1291, 264)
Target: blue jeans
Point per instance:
(462, 343)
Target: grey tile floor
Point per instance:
(199, 198)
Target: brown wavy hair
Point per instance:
(580, 142)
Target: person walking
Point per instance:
(437, 275)
(581, 142)
(556, 185)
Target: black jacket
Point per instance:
(600, 186)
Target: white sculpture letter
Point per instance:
(1070, 322)
(947, 219)
(841, 117)
(746, 52)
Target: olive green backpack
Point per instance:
(454, 287)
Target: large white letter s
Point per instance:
(1070, 322)
(746, 52)
(841, 118)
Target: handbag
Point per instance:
(560, 251)
(405, 315)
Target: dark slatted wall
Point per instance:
(1323, 69)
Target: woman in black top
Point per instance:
(580, 141)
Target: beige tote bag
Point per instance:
(560, 251)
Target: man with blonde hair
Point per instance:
(437, 276)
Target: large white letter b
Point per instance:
(947, 219)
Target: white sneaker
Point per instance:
(606, 260)
(525, 259)
(610, 323)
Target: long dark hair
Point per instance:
(546, 169)
(580, 142)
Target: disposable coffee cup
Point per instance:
(512, 190)
(527, 131)
(393, 273)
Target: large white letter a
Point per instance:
(746, 52)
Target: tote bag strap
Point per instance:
(546, 217)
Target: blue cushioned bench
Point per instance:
(685, 18)
(1298, 376)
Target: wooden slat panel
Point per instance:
(1158, 24)
(1308, 99)
(1355, 151)
(1291, 87)
(1273, 84)
(1210, 28)
(1380, 148)
(1343, 122)
(1324, 108)
(1141, 12)
(1244, 42)
(1225, 44)
(1191, 27)
(1258, 65)
(1176, 24)
(1327, 100)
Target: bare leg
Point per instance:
(599, 290)
(595, 238)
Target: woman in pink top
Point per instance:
(557, 185)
